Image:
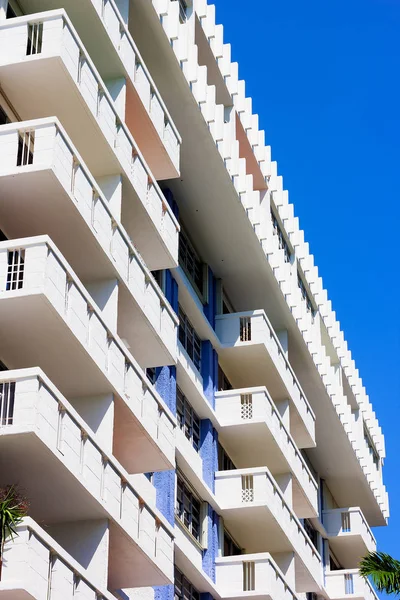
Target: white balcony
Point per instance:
(36, 567)
(55, 193)
(47, 319)
(348, 584)
(258, 515)
(349, 535)
(252, 355)
(112, 49)
(81, 101)
(251, 576)
(254, 435)
(68, 476)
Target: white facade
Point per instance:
(177, 399)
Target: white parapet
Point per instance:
(348, 583)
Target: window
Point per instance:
(3, 117)
(281, 237)
(311, 532)
(188, 508)
(189, 339)
(223, 381)
(188, 420)
(334, 564)
(305, 294)
(184, 590)
(3, 237)
(371, 447)
(159, 277)
(191, 262)
(231, 548)
(225, 463)
(149, 476)
(151, 374)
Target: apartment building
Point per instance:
(177, 399)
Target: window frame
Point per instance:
(187, 591)
(187, 250)
(189, 338)
(187, 419)
(305, 294)
(185, 500)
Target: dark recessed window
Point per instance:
(191, 262)
(223, 381)
(189, 339)
(188, 508)
(184, 590)
(225, 463)
(188, 420)
(231, 548)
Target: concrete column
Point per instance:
(105, 294)
(88, 543)
(98, 412)
(111, 186)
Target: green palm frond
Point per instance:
(384, 570)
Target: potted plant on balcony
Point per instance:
(383, 569)
(13, 508)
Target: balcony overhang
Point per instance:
(81, 102)
(57, 496)
(92, 30)
(34, 200)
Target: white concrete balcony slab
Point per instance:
(48, 319)
(251, 352)
(257, 514)
(79, 98)
(36, 567)
(349, 585)
(254, 434)
(349, 535)
(112, 49)
(251, 576)
(55, 193)
(68, 476)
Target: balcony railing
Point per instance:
(35, 566)
(140, 76)
(240, 329)
(38, 407)
(257, 487)
(59, 38)
(53, 149)
(46, 272)
(348, 522)
(256, 574)
(254, 405)
(348, 583)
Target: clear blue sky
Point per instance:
(324, 78)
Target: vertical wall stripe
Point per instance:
(209, 452)
(211, 552)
